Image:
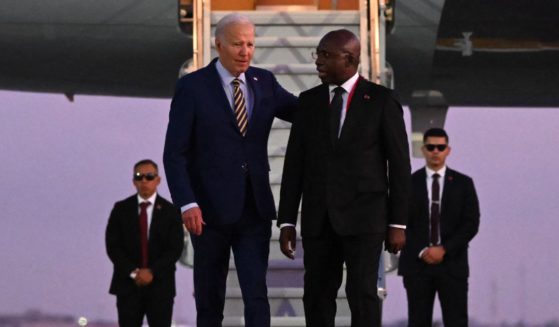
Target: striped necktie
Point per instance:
(240, 107)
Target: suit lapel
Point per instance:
(322, 107)
(421, 189)
(155, 218)
(254, 86)
(134, 220)
(448, 188)
(213, 82)
(360, 102)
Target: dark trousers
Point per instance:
(249, 239)
(324, 258)
(133, 307)
(453, 296)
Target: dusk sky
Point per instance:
(65, 164)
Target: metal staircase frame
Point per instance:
(372, 21)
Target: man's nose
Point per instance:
(244, 50)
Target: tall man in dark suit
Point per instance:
(217, 169)
(144, 239)
(444, 217)
(348, 158)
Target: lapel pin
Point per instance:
(255, 78)
(366, 97)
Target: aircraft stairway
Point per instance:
(284, 42)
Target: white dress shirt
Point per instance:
(149, 209)
(429, 180)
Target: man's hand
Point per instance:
(143, 277)
(434, 255)
(288, 241)
(192, 220)
(395, 239)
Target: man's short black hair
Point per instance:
(435, 132)
(146, 162)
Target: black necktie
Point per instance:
(144, 232)
(435, 210)
(336, 112)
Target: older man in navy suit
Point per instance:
(217, 169)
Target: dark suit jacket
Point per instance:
(459, 223)
(207, 159)
(165, 243)
(361, 180)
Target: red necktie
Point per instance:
(435, 210)
(144, 232)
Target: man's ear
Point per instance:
(217, 44)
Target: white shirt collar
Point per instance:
(151, 199)
(431, 172)
(347, 85)
(226, 76)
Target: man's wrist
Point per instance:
(188, 206)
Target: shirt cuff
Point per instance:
(189, 206)
(421, 252)
(398, 226)
(286, 225)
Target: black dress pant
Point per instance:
(453, 296)
(133, 307)
(324, 258)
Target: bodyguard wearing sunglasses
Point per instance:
(444, 217)
(144, 239)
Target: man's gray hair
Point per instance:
(231, 19)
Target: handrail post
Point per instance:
(207, 29)
(375, 41)
(201, 33)
(364, 37)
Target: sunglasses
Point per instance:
(432, 147)
(149, 176)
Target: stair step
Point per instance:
(281, 273)
(287, 41)
(272, 17)
(289, 69)
(283, 302)
(283, 322)
(284, 42)
(278, 293)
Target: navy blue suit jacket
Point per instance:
(206, 158)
